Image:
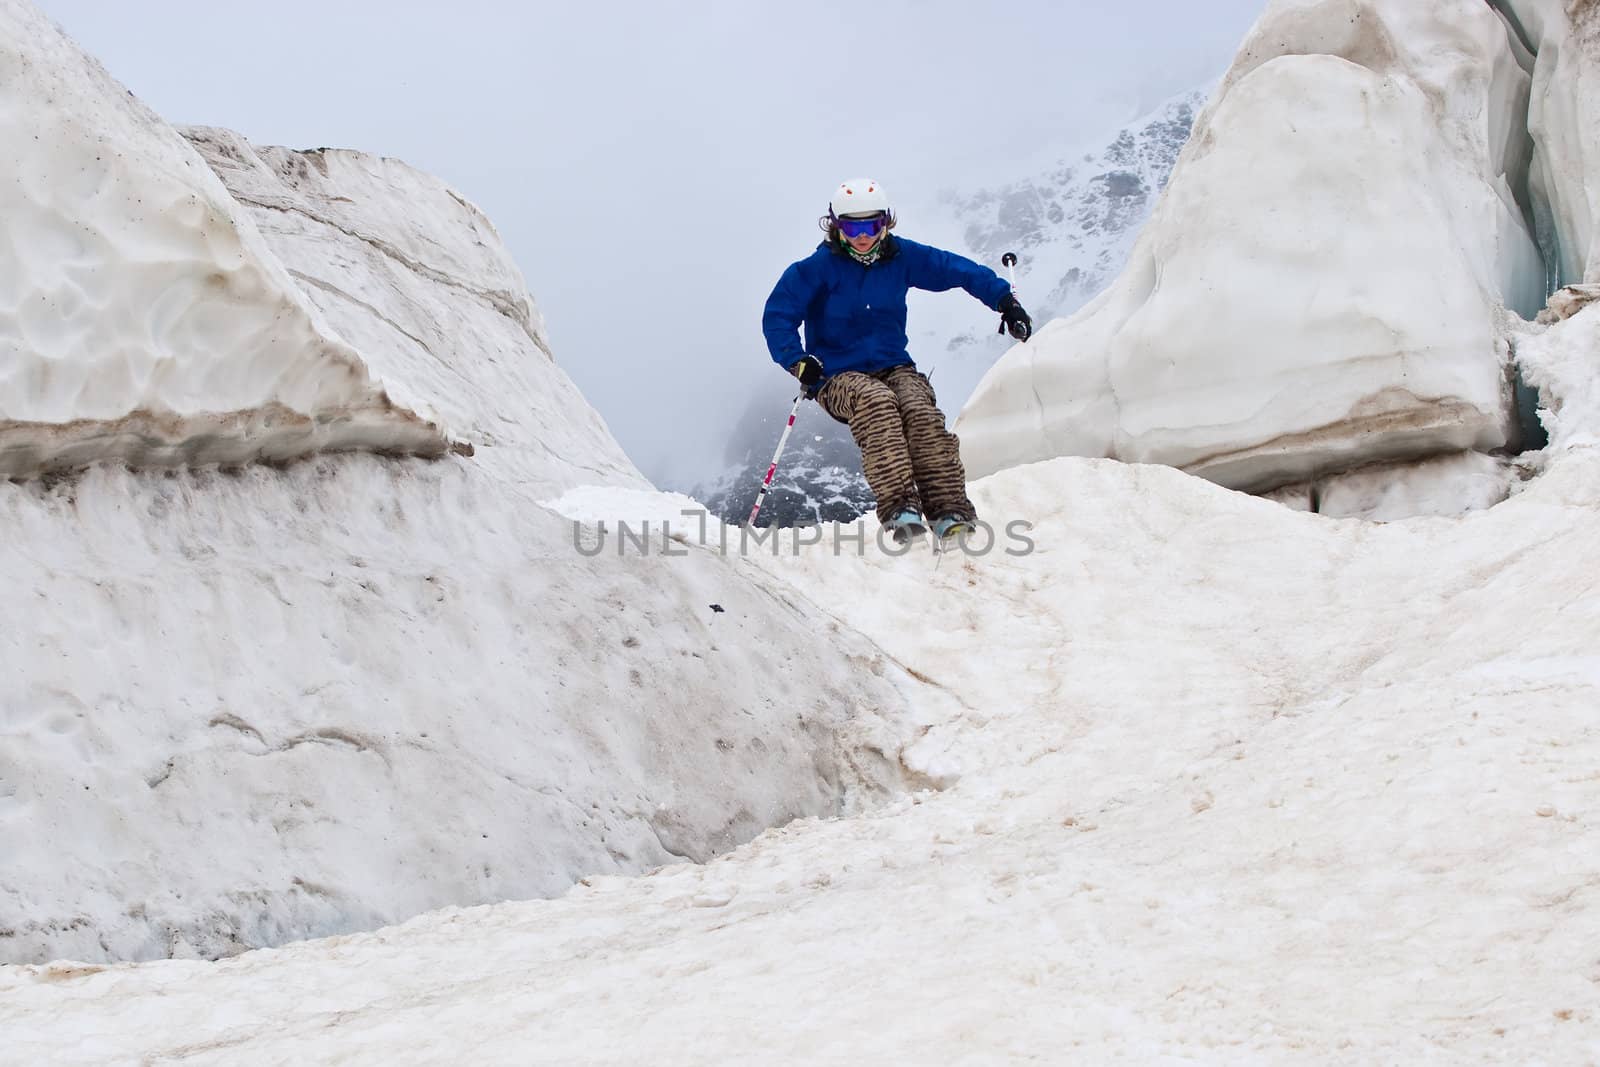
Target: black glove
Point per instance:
(1013, 318)
(809, 371)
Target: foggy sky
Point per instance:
(654, 167)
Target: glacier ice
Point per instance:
(1564, 119)
(1320, 286)
(142, 318)
(1440, 485)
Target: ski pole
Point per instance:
(1008, 261)
(771, 470)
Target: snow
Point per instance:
(253, 704)
(142, 317)
(1194, 777)
(1072, 222)
(1237, 783)
(1560, 362)
(269, 705)
(1320, 286)
(414, 276)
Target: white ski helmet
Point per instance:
(859, 196)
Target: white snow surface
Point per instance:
(1235, 784)
(254, 705)
(1197, 779)
(416, 277)
(1560, 361)
(268, 705)
(142, 317)
(1320, 286)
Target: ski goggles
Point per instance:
(863, 227)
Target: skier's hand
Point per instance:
(809, 371)
(1013, 318)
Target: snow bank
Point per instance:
(417, 279)
(1560, 361)
(254, 705)
(259, 706)
(1241, 786)
(1319, 287)
(142, 318)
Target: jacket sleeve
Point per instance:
(937, 270)
(785, 311)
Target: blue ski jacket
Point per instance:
(854, 316)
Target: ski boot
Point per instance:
(906, 525)
(948, 526)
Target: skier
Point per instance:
(850, 297)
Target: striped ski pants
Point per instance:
(909, 458)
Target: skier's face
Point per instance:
(864, 243)
(863, 231)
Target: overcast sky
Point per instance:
(654, 167)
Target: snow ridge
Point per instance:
(416, 278)
(141, 316)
